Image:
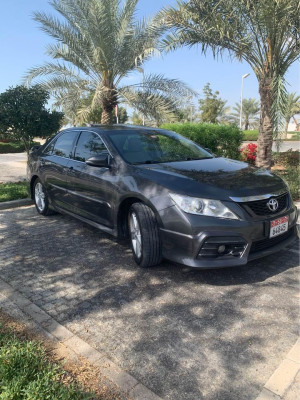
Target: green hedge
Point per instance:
(13, 147)
(223, 140)
(250, 135)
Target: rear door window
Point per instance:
(89, 145)
(64, 144)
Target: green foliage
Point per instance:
(11, 147)
(222, 140)
(291, 176)
(136, 118)
(14, 147)
(250, 135)
(13, 191)
(98, 43)
(25, 373)
(23, 115)
(292, 108)
(288, 158)
(250, 113)
(265, 34)
(211, 106)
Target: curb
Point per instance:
(15, 203)
(44, 323)
(283, 377)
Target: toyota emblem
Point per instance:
(272, 205)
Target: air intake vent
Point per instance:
(218, 246)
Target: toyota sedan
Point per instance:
(172, 198)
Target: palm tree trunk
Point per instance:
(108, 105)
(265, 137)
(106, 117)
(286, 125)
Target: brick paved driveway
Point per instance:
(187, 335)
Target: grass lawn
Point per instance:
(26, 373)
(31, 369)
(13, 191)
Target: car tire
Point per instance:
(144, 235)
(40, 198)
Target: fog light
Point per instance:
(221, 249)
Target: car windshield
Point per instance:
(149, 147)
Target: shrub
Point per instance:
(13, 147)
(249, 152)
(250, 135)
(288, 158)
(291, 176)
(223, 140)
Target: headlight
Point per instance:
(210, 208)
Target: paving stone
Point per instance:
(142, 393)
(184, 334)
(57, 330)
(36, 313)
(283, 377)
(294, 353)
(267, 395)
(20, 300)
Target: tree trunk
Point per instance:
(265, 137)
(286, 125)
(106, 117)
(109, 103)
(246, 124)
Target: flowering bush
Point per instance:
(248, 153)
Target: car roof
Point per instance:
(116, 127)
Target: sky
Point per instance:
(22, 46)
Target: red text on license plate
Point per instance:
(279, 226)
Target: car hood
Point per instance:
(218, 178)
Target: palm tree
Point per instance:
(264, 33)
(250, 112)
(98, 44)
(292, 108)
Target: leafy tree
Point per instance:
(23, 115)
(292, 108)
(264, 33)
(98, 44)
(250, 113)
(211, 106)
(136, 119)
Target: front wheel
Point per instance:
(41, 199)
(144, 235)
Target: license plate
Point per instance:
(279, 226)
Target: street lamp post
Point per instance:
(241, 107)
(142, 71)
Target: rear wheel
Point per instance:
(41, 199)
(144, 235)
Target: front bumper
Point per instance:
(249, 238)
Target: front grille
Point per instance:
(260, 207)
(232, 247)
(270, 242)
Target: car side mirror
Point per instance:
(35, 147)
(101, 160)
